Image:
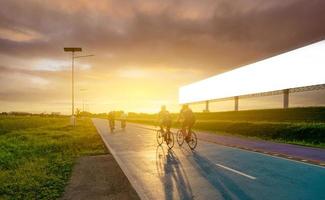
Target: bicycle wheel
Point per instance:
(160, 137)
(193, 142)
(170, 140)
(180, 138)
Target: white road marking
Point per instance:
(237, 172)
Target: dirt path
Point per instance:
(98, 177)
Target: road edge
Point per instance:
(127, 173)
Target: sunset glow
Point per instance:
(144, 50)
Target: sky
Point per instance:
(144, 50)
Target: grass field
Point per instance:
(37, 154)
(303, 126)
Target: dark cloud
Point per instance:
(228, 34)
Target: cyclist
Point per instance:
(111, 118)
(187, 118)
(123, 119)
(165, 120)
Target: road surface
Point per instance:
(212, 171)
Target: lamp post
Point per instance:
(73, 50)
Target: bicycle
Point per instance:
(167, 137)
(192, 143)
(112, 125)
(123, 124)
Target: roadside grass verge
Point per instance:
(301, 133)
(10, 123)
(37, 154)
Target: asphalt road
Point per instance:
(210, 172)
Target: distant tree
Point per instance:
(86, 114)
(55, 113)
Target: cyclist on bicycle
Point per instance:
(165, 120)
(187, 119)
(123, 117)
(111, 119)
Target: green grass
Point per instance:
(37, 154)
(8, 124)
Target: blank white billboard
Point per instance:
(298, 68)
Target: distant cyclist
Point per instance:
(111, 119)
(123, 119)
(165, 120)
(187, 119)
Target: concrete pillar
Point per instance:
(236, 103)
(207, 106)
(286, 98)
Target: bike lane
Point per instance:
(211, 172)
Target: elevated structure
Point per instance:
(299, 70)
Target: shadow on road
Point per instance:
(224, 184)
(172, 175)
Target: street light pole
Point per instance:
(72, 84)
(73, 50)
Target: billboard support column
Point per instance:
(236, 102)
(286, 98)
(206, 106)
